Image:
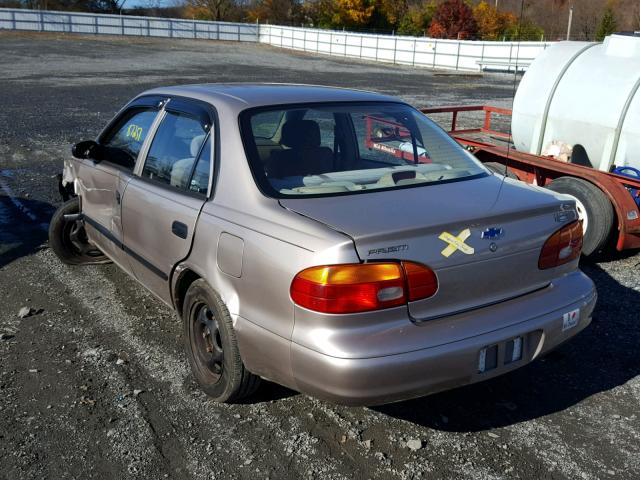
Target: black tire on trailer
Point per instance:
(68, 240)
(594, 209)
(212, 348)
(501, 170)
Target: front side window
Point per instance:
(343, 148)
(174, 150)
(125, 141)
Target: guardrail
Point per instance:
(462, 55)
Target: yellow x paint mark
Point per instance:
(456, 243)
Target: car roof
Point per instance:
(246, 95)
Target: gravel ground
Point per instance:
(93, 383)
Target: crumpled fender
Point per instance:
(68, 181)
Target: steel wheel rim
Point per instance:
(207, 342)
(582, 214)
(75, 237)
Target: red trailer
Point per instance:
(607, 203)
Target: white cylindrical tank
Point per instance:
(580, 93)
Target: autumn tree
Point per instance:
(493, 24)
(351, 13)
(608, 24)
(209, 9)
(274, 11)
(453, 19)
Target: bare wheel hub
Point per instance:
(207, 341)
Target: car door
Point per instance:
(162, 201)
(102, 183)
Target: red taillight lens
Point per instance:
(362, 287)
(421, 281)
(562, 247)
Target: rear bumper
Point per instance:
(389, 378)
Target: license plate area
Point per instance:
(504, 353)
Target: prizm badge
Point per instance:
(391, 249)
(492, 233)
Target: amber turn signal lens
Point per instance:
(562, 247)
(362, 287)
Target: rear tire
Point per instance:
(594, 209)
(68, 240)
(212, 348)
(501, 170)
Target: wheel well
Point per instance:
(186, 278)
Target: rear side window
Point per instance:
(265, 125)
(127, 137)
(174, 150)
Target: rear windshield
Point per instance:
(333, 149)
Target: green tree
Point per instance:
(525, 31)
(317, 13)
(417, 18)
(608, 24)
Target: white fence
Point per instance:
(466, 55)
(417, 51)
(97, 24)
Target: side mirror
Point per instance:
(88, 149)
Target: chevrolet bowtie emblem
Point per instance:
(456, 243)
(492, 233)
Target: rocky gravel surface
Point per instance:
(93, 382)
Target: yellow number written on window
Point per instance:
(134, 132)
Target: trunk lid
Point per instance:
(482, 237)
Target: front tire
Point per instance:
(594, 209)
(212, 348)
(68, 240)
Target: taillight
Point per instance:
(362, 287)
(562, 247)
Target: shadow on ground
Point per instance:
(600, 358)
(20, 234)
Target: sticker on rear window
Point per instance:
(570, 319)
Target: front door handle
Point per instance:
(179, 229)
(118, 197)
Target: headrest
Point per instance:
(300, 134)
(196, 143)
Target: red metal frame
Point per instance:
(371, 142)
(540, 170)
(486, 128)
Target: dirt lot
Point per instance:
(93, 383)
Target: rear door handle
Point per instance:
(179, 229)
(118, 197)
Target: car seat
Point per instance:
(304, 155)
(182, 168)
